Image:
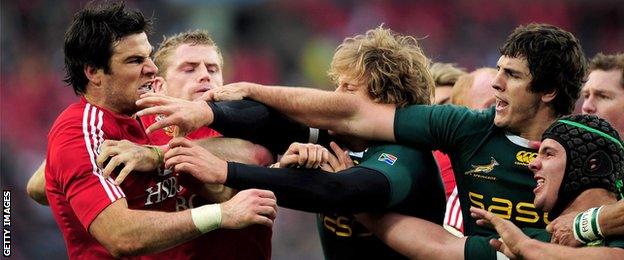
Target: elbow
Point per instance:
(37, 193)
(261, 155)
(119, 247)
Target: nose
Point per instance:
(536, 164)
(589, 106)
(204, 74)
(150, 68)
(498, 82)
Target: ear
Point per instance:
(160, 85)
(549, 96)
(94, 75)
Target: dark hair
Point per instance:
(91, 37)
(556, 62)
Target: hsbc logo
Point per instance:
(163, 190)
(525, 157)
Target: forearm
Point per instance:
(538, 250)
(339, 112)
(253, 121)
(611, 219)
(153, 231)
(126, 232)
(238, 150)
(414, 237)
(349, 191)
(36, 186)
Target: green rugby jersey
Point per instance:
(415, 189)
(490, 165)
(478, 247)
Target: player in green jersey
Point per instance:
(579, 161)
(540, 73)
(389, 177)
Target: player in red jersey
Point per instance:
(190, 64)
(107, 63)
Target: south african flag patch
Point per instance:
(387, 158)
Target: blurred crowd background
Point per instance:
(272, 42)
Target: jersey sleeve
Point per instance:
(478, 248)
(72, 161)
(440, 127)
(401, 165)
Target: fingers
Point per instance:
(496, 244)
(265, 193)
(160, 124)
(152, 99)
(110, 167)
(180, 142)
(262, 220)
(288, 160)
(124, 172)
(312, 156)
(327, 167)
(173, 161)
(303, 156)
(334, 163)
(342, 155)
(207, 96)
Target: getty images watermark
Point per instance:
(6, 223)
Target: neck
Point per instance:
(590, 198)
(535, 127)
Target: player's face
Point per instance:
(515, 104)
(604, 96)
(347, 84)
(193, 70)
(131, 73)
(443, 95)
(548, 170)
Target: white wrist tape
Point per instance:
(207, 218)
(586, 227)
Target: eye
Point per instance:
(137, 60)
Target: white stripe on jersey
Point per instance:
(453, 215)
(90, 111)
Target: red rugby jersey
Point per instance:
(75, 188)
(253, 242)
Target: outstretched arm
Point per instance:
(339, 112)
(353, 190)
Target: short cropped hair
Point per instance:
(556, 62)
(92, 35)
(393, 66)
(446, 74)
(608, 62)
(169, 44)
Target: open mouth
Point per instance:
(501, 104)
(147, 87)
(540, 183)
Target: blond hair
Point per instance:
(393, 66)
(608, 62)
(446, 74)
(169, 44)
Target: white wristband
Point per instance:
(586, 227)
(207, 218)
